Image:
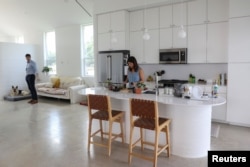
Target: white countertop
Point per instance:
(165, 99)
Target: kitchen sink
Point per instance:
(149, 92)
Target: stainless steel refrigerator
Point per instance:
(112, 65)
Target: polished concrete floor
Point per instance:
(53, 133)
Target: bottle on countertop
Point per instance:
(215, 90)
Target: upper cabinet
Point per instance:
(148, 18)
(145, 51)
(239, 8)
(217, 10)
(179, 14)
(171, 18)
(239, 35)
(197, 12)
(208, 31)
(217, 42)
(166, 16)
(113, 31)
(207, 11)
(112, 22)
(173, 15)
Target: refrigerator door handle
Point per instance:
(109, 67)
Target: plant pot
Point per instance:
(138, 90)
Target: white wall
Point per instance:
(68, 50)
(13, 64)
(102, 6)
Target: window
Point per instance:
(50, 51)
(88, 60)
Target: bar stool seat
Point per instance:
(144, 115)
(99, 107)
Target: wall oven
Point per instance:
(173, 56)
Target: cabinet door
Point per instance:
(151, 18)
(180, 14)
(103, 23)
(197, 44)
(239, 8)
(120, 44)
(151, 48)
(197, 12)
(136, 46)
(118, 21)
(104, 42)
(238, 95)
(166, 16)
(166, 38)
(177, 41)
(217, 10)
(136, 20)
(217, 42)
(239, 34)
(219, 112)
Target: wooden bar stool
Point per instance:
(144, 115)
(99, 107)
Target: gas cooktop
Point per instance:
(171, 82)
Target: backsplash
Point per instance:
(200, 71)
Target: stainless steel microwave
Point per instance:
(173, 56)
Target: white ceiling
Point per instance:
(22, 16)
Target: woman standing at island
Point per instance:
(135, 73)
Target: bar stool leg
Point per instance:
(110, 137)
(121, 126)
(89, 135)
(130, 144)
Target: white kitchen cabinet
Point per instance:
(166, 16)
(197, 42)
(238, 95)
(239, 8)
(217, 42)
(145, 51)
(177, 41)
(179, 14)
(219, 113)
(115, 21)
(137, 46)
(239, 40)
(207, 11)
(105, 43)
(136, 20)
(197, 12)
(169, 38)
(217, 10)
(166, 38)
(171, 18)
(112, 24)
(151, 48)
(148, 18)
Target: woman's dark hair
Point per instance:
(133, 60)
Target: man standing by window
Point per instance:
(31, 74)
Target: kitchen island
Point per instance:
(191, 119)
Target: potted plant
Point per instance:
(139, 87)
(46, 69)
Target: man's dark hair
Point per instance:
(27, 55)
